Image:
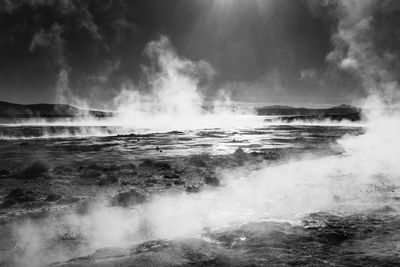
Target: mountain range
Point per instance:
(16, 111)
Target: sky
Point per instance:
(265, 51)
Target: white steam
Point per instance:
(356, 181)
(365, 177)
(168, 97)
(172, 98)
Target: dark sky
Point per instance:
(271, 51)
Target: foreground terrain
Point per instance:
(119, 200)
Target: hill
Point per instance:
(291, 113)
(11, 110)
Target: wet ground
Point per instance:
(42, 180)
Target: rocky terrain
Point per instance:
(38, 188)
(43, 182)
(38, 191)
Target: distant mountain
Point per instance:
(291, 113)
(287, 113)
(10, 110)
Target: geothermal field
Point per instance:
(261, 192)
(199, 133)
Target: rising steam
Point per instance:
(284, 191)
(172, 96)
(169, 96)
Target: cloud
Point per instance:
(349, 63)
(76, 42)
(10, 6)
(86, 22)
(165, 58)
(364, 42)
(308, 74)
(52, 40)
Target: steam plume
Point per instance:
(285, 191)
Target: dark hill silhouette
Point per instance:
(291, 113)
(10, 110)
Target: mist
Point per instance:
(347, 174)
(285, 191)
(170, 96)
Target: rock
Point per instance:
(171, 176)
(271, 156)
(154, 246)
(95, 167)
(4, 172)
(313, 223)
(128, 198)
(15, 193)
(107, 180)
(52, 197)
(334, 237)
(179, 182)
(199, 160)
(106, 168)
(240, 156)
(128, 169)
(7, 203)
(211, 180)
(151, 181)
(80, 168)
(192, 189)
(239, 153)
(110, 168)
(62, 170)
(128, 166)
(20, 196)
(90, 174)
(168, 185)
(70, 236)
(149, 163)
(68, 200)
(36, 169)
